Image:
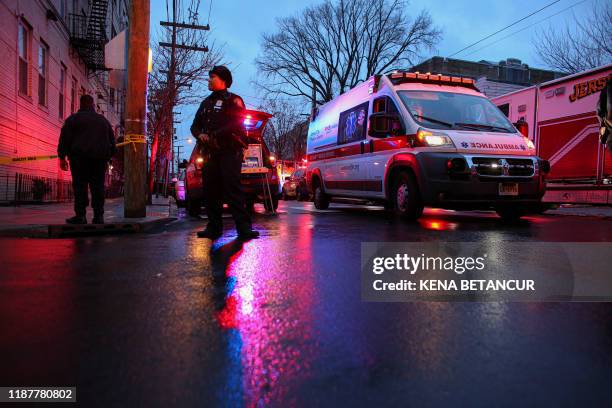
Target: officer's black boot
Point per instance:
(247, 233)
(210, 233)
(77, 219)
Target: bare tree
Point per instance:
(297, 140)
(581, 44)
(329, 48)
(188, 86)
(277, 132)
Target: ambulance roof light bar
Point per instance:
(403, 77)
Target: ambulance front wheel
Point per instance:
(321, 200)
(406, 198)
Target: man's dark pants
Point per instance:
(221, 182)
(88, 172)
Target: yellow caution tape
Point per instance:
(133, 138)
(12, 160)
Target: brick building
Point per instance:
(51, 52)
(493, 79)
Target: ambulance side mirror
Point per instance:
(383, 124)
(522, 127)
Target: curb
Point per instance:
(85, 230)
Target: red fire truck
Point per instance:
(561, 121)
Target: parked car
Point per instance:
(295, 186)
(253, 184)
(178, 188)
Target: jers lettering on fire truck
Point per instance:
(586, 88)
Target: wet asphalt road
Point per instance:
(163, 319)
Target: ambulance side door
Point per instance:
(381, 147)
(347, 174)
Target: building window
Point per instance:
(24, 58)
(63, 8)
(43, 62)
(62, 92)
(73, 95)
(505, 108)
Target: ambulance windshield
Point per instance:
(447, 110)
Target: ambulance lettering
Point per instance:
(494, 146)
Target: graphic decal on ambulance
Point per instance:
(352, 126)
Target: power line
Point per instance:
(505, 28)
(525, 28)
(209, 11)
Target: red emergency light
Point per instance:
(255, 121)
(403, 77)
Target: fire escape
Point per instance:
(88, 34)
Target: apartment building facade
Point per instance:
(51, 52)
(492, 78)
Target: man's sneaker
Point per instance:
(98, 219)
(77, 219)
(245, 235)
(210, 234)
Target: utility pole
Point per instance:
(172, 73)
(178, 154)
(135, 205)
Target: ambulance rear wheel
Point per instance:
(321, 200)
(407, 201)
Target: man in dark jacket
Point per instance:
(88, 140)
(218, 125)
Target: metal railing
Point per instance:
(21, 188)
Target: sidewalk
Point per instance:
(44, 220)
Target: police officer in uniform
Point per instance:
(218, 126)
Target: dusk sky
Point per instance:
(238, 25)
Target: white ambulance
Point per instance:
(409, 140)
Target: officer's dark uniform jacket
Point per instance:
(221, 116)
(87, 134)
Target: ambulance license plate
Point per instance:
(508, 189)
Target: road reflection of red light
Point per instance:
(38, 303)
(227, 316)
(437, 225)
(271, 313)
